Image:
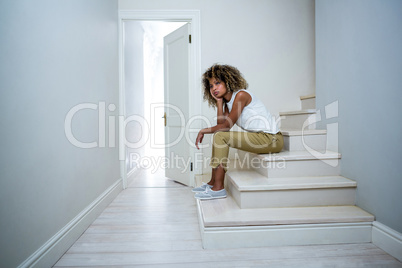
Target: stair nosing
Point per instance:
(306, 97)
(298, 156)
(274, 184)
(299, 112)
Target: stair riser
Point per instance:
(282, 168)
(308, 104)
(285, 235)
(295, 143)
(297, 168)
(293, 198)
(296, 122)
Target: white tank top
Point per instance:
(255, 117)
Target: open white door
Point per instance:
(176, 71)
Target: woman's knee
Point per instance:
(277, 144)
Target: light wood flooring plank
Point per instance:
(377, 261)
(341, 262)
(144, 220)
(135, 246)
(157, 235)
(274, 254)
(140, 228)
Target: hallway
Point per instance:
(154, 223)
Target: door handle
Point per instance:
(164, 116)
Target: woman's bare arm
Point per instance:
(242, 100)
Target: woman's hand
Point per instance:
(200, 136)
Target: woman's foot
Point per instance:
(210, 194)
(201, 188)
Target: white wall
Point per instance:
(359, 63)
(53, 55)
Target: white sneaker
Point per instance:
(201, 188)
(210, 194)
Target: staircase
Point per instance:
(295, 197)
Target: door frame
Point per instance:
(195, 94)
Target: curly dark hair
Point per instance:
(227, 74)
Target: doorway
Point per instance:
(144, 84)
(141, 72)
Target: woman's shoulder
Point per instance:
(242, 92)
(243, 95)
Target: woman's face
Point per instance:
(217, 88)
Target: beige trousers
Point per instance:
(255, 142)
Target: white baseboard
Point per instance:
(55, 247)
(131, 175)
(387, 239)
(133, 172)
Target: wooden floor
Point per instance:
(154, 223)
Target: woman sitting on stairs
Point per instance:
(225, 88)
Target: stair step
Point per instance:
(253, 181)
(298, 119)
(226, 213)
(297, 140)
(224, 225)
(292, 163)
(308, 102)
(253, 190)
